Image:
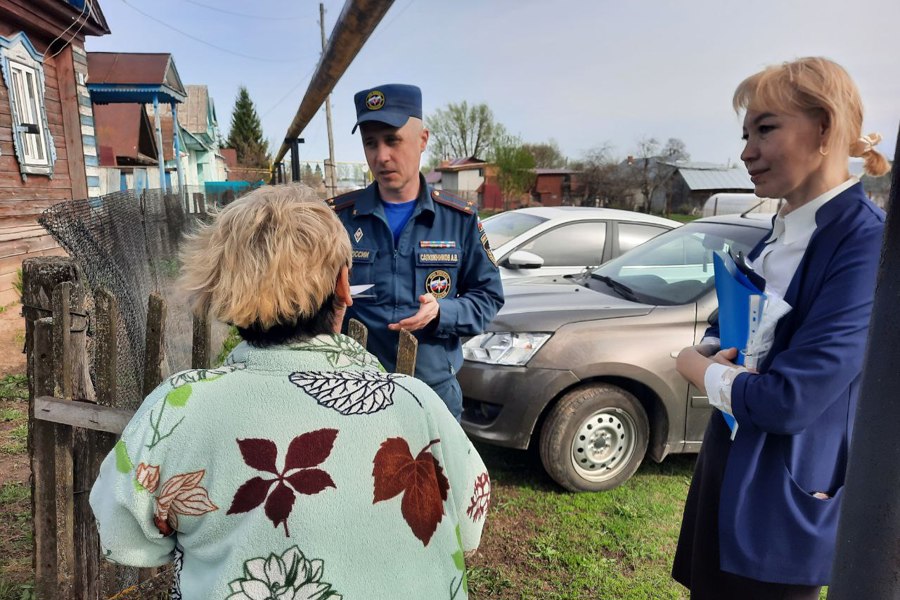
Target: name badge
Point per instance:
(437, 257)
(363, 256)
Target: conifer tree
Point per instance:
(246, 133)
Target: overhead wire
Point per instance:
(288, 93)
(85, 13)
(243, 15)
(204, 42)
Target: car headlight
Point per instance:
(504, 348)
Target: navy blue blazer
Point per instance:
(796, 415)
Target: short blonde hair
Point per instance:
(270, 258)
(815, 85)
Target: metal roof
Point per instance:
(118, 128)
(702, 177)
(133, 77)
(543, 171)
(462, 164)
(194, 115)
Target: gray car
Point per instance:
(584, 366)
(563, 240)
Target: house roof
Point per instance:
(133, 77)
(194, 115)
(462, 164)
(708, 176)
(95, 16)
(118, 129)
(555, 171)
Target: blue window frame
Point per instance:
(23, 74)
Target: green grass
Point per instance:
(10, 414)
(15, 591)
(682, 218)
(14, 387)
(232, 340)
(16, 441)
(15, 531)
(543, 542)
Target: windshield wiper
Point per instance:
(623, 290)
(582, 276)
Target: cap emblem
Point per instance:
(375, 100)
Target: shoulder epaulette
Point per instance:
(344, 200)
(453, 201)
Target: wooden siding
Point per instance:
(22, 201)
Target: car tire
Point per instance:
(594, 438)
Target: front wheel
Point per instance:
(595, 438)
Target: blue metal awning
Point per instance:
(110, 93)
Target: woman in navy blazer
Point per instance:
(761, 515)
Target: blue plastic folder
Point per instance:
(740, 309)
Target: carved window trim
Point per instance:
(23, 74)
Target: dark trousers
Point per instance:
(450, 393)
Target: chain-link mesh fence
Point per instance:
(127, 243)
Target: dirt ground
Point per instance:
(13, 467)
(12, 340)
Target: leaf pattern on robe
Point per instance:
(340, 351)
(181, 495)
(349, 392)
(195, 375)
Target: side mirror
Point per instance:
(520, 259)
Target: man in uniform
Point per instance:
(423, 249)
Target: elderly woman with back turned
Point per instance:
(761, 515)
(300, 469)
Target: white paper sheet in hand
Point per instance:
(358, 291)
(760, 340)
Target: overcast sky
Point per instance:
(580, 72)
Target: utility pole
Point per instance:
(330, 183)
(867, 559)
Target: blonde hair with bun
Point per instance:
(816, 85)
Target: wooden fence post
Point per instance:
(202, 340)
(64, 468)
(49, 443)
(42, 449)
(406, 353)
(39, 277)
(358, 332)
(154, 354)
(99, 578)
(154, 348)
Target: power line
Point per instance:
(86, 13)
(204, 42)
(244, 15)
(289, 92)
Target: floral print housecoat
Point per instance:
(295, 472)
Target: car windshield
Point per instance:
(675, 267)
(505, 226)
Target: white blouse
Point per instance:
(777, 264)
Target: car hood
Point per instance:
(549, 306)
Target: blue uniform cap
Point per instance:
(392, 103)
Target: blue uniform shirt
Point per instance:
(442, 250)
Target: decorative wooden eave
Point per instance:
(49, 18)
(134, 78)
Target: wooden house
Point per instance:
(47, 146)
(555, 187)
(136, 78)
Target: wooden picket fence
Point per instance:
(75, 420)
